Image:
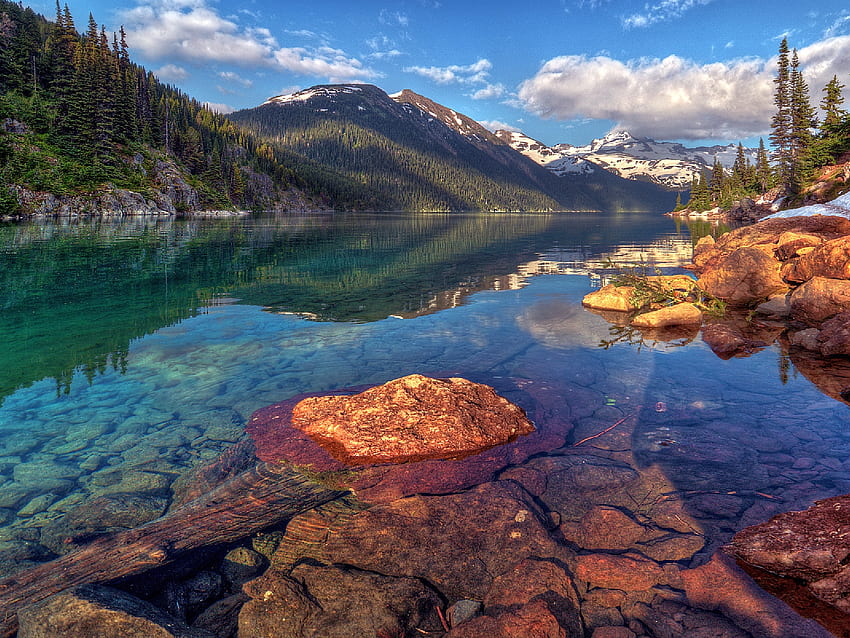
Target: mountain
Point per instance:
(407, 152)
(668, 164)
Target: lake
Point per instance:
(134, 351)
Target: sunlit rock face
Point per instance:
(409, 419)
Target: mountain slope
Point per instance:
(407, 152)
(668, 164)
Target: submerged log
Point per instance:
(257, 498)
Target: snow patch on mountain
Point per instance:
(316, 91)
(669, 164)
(557, 162)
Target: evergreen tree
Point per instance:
(782, 120)
(802, 122)
(763, 172)
(831, 104)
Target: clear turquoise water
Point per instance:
(145, 346)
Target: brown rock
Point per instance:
(720, 585)
(669, 619)
(673, 547)
(768, 232)
(789, 244)
(776, 306)
(628, 573)
(745, 276)
(830, 259)
(411, 418)
(807, 339)
(333, 602)
(613, 632)
(532, 620)
(807, 545)
(834, 337)
(534, 579)
(726, 342)
(681, 314)
(611, 298)
(96, 610)
(457, 542)
(604, 528)
(819, 299)
(830, 374)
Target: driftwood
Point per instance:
(255, 499)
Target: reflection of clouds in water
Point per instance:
(561, 324)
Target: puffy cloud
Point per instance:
(171, 73)
(474, 73)
(497, 125)
(675, 98)
(490, 92)
(661, 12)
(235, 78)
(822, 60)
(191, 31)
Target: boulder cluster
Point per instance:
(792, 271)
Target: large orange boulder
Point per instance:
(819, 299)
(830, 259)
(410, 419)
(745, 276)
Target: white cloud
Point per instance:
(838, 26)
(675, 98)
(193, 32)
(668, 98)
(171, 73)
(235, 78)
(489, 92)
(661, 12)
(475, 73)
(496, 125)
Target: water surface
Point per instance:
(134, 351)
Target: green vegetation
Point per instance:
(653, 291)
(801, 144)
(81, 118)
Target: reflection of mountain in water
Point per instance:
(75, 296)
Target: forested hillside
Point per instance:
(80, 118)
(402, 155)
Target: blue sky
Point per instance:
(560, 71)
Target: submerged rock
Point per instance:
(97, 610)
(334, 602)
(812, 546)
(411, 418)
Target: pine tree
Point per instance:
(802, 122)
(831, 104)
(781, 122)
(763, 172)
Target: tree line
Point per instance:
(92, 118)
(800, 143)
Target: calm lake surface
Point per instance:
(133, 351)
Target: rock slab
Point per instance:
(411, 419)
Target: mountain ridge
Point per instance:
(425, 156)
(668, 164)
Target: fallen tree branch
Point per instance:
(255, 499)
(605, 431)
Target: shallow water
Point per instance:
(135, 351)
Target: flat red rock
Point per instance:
(410, 419)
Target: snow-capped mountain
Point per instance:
(669, 164)
(556, 161)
